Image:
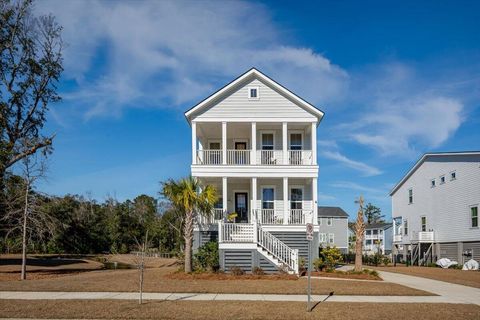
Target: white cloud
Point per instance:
(166, 53)
(364, 168)
(402, 112)
(322, 197)
(357, 187)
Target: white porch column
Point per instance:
(254, 144)
(286, 207)
(254, 197)
(284, 143)
(315, 201)
(314, 143)
(224, 194)
(224, 143)
(194, 142)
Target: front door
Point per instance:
(240, 157)
(241, 207)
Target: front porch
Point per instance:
(267, 201)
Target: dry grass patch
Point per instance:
(158, 280)
(466, 278)
(115, 309)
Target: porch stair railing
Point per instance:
(427, 255)
(272, 248)
(415, 254)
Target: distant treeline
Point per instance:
(77, 224)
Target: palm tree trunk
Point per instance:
(188, 235)
(358, 255)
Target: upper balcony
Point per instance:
(254, 144)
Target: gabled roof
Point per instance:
(379, 225)
(331, 212)
(424, 158)
(254, 73)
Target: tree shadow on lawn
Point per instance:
(41, 262)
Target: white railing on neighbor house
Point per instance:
(236, 232)
(209, 157)
(299, 157)
(269, 157)
(397, 238)
(278, 249)
(238, 157)
(422, 236)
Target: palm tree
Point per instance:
(191, 199)
(359, 232)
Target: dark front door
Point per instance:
(241, 206)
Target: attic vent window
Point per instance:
(253, 93)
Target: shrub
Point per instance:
(319, 264)
(258, 271)
(332, 257)
(302, 266)
(237, 271)
(385, 261)
(206, 259)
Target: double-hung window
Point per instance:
(331, 238)
(295, 148)
(296, 198)
(329, 221)
(423, 221)
(268, 196)
(268, 156)
(405, 227)
(474, 216)
(410, 196)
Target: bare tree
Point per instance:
(359, 234)
(24, 214)
(140, 262)
(30, 68)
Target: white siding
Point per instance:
(446, 206)
(270, 105)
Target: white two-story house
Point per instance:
(435, 208)
(256, 142)
(378, 238)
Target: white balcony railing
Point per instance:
(269, 157)
(299, 157)
(275, 216)
(300, 216)
(209, 157)
(422, 236)
(269, 216)
(263, 157)
(238, 157)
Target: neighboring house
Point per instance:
(378, 238)
(435, 208)
(256, 142)
(333, 225)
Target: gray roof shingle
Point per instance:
(335, 212)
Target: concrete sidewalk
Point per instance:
(23, 295)
(450, 291)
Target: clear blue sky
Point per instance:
(395, 81)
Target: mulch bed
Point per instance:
(227, 276)
(346, 275)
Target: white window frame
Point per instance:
(210, 141)
(405, 229)
(422, 224)
(410, 201)
(262, 132)
(296, 187)
(454, 172)
(249, 92)
(471, 216)
(331, 238)
(330, 222)
(274, 195)
(290, 140)
(433, 183)
(241, 140)
(323, 237)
